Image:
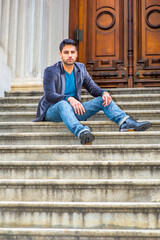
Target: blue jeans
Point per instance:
(63, 111)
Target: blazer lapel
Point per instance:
(77, 81)
(63, 80)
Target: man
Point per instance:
(62, 97)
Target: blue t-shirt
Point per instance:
(70, 88)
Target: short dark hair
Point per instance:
(67, 42)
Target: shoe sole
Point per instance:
(143, 127)
(87, 139)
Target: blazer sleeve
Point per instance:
(49, 84)
(91, 86)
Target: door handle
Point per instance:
(79, 35)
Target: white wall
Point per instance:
(30, 33)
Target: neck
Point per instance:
(68, 68)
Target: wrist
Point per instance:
(69, 99)
(104, 91)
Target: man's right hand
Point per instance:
(78, 107)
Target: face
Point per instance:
(68, 54)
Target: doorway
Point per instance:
(118, 40)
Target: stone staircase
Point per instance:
(53, 188)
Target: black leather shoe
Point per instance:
(86, 137)
(132, 125)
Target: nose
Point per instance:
(70, 54)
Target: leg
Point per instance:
(113, 112)
(63, 111)
(125, 122)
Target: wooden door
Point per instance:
(147, 43)
(118, 40)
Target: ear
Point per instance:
(60, 54)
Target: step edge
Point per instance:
(81, 147)
(81, 232)
(82, 205)
(83, 182)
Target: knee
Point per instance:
(99, 99)
(64, 105)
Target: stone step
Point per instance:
(135, 114)
(100, 116)
(116, 97)
(79, 169)
(95, 126)
(20, 100)
(17, 116)
(28, 93)
(78, 234)
(119, 152)
(68, 191)
(123, 105)
(18, 107)
(99, 126)
(150, 137)
(110, 90)
(75, 190)
(128, 215)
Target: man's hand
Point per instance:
(106, 98)
(78, 107)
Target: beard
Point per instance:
(68, 62)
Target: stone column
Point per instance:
(5, 74)
(30, 33)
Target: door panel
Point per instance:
(105, 42)
(147, 65)
(103, 36)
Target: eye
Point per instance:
(66, 52)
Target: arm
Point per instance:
(95, 90)
(90, 85)
(49, 85)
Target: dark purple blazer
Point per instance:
(54, 86)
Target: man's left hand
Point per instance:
(106, 98)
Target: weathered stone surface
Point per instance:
(80, 215)
(68, 190)
(53, 188)
(77, 234)
(149, 152)
(80, 170)
(66, 138)
(95, 126)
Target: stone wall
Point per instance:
(30, 33)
